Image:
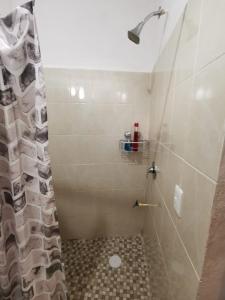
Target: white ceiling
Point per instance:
(92, 34)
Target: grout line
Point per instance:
(90, 102)
(209, 63)
(177, 232)
(97, 164)
(161, 250)
(84, 69)
(177, 85)
(202, 68)
(197, 71)
(117, 137)
(88, 135)
(104, 189)
(212, 180)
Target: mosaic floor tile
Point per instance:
(89, 275)
(157, 275)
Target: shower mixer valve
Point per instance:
(153, 170)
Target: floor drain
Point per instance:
(115, 261)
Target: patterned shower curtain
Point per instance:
(30, 250)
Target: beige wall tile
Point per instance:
(70, 149)
(166, 60)
(161, 80)
(90, 119)
(57, 84)
(196, 212)
(103, 87)
(83, 226)
(157, 276)
(170, 173)
(180, 116)
(119, 90)
(191, 138)
(97, 119)
(84, 145)
(70, 201)
(212, 39)
(89, 149)
(106, 176)
(183, 281)
(165, 133)
(158, 92)
(186, 54)
(207, 116)
(198, 196)
(212, 281)
(112, 209)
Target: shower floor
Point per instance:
(89, 275)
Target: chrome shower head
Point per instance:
(134, 34)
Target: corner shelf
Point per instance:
(129, 147)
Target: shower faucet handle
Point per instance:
(153, 170)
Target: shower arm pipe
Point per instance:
(158, 13)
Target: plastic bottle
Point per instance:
(136, 137)
(128, 144)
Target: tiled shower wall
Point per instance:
(96, 186)
(187, 124)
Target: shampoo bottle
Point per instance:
(136, 137)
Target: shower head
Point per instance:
(134, 34)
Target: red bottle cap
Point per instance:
(136, 124)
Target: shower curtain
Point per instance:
(30, 251)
